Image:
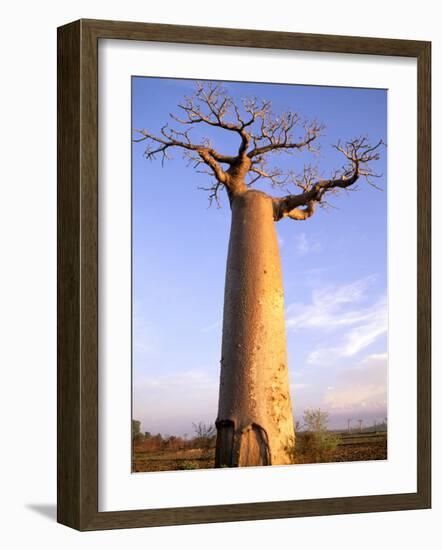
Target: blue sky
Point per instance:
(334, 267)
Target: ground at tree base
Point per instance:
(352, 447)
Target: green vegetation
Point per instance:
(205, 437)
(188, 466)
(317, 443)
(314, 443)
(136, 429)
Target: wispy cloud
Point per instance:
(191, 378)
(145, 334)
(300, 386)
(169, 403)
(370, 323)
(361, 388)
(327, 307)
(305, 244)
(212, 326)
(340, 307)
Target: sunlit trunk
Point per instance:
(255, 422)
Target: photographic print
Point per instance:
(241, 296)
(259, 274)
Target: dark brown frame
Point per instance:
(77, 225)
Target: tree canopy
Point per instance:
(262, 135)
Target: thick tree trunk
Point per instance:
(255, 422)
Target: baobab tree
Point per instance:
(255, 420)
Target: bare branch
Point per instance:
(275, 176)
(303, 213)
(169, 139)
(213, 193)
(261, 133)
(276, 134)
(358, 152)
(211, 105)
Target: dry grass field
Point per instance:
(351, 447)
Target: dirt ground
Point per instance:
(352, 447)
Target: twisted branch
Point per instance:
(261, 133)
(358, 152)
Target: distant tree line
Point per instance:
(314, 441)
(359, 426)
(204, 438)
(353, 426)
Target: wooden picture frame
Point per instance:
(78, 274)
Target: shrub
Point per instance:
(315, 443)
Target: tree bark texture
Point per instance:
(255, 420)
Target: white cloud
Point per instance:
(191, 379)
(170, 403)
(145, 338)
(212, 326)
(360, 388)
(340, 307)
(326, 309)
(306, 244)
(296, 387)
(368, 325)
